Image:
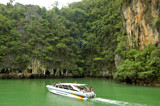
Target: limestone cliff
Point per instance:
(140, 19)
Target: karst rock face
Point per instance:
(140, 21)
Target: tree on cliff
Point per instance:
(140, 63)
(80, 38)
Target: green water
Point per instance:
(33, 92)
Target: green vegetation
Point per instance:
(140, 66)
(127, 1)
(82, 39)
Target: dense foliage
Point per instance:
(140, 66)
(80, 38)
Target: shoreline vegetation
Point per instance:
(42, 76)
(85, 39)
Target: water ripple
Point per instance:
(119, 103)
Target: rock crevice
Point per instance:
(139, 20)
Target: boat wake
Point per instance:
(114, 102)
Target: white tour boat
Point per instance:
(74, 90)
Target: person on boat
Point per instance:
(92, 89)
(54, 84)
(88, 90)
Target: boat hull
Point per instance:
(69, 93)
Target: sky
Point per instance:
(42, 3)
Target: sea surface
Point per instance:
(33, 92)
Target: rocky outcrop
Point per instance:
(37, 68)
(140, 22)
(117, 60)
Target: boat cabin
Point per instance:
(73, 86)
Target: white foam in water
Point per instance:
(121, 103)
(110, 101)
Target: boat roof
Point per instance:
(74, 84)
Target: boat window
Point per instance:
(60, 86)
(65, 87)
(68, 87)
(74, 90)
(81, 87)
